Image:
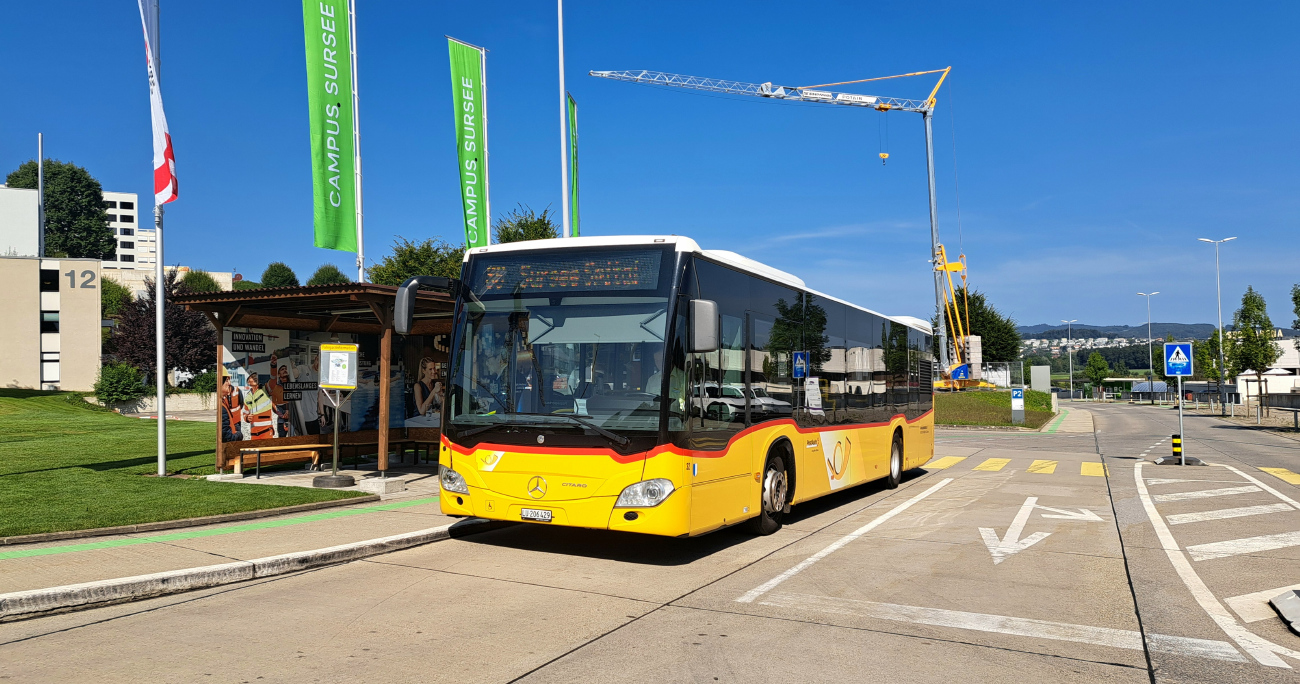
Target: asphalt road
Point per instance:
(1012, 556)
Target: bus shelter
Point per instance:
(269, 367)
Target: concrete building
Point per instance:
(134, 279)
(136, 244)
(19, 222)
(51, 335)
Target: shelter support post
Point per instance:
(219, 403)
(385, 386)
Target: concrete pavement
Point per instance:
(1012, 556)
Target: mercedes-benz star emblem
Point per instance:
(537, 487)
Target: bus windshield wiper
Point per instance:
(612, 436)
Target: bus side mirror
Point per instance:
(404, 307)
(704, 325)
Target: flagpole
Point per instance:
(487, 182)
(564, 128)
(160, 294)
(356, 139)
(40, 194)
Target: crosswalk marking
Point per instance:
(1093, 469)
(1044, 467)
(1236, 547)
(945, 462)
(1173, 480)
(1204, 494)
(1284, 475)
(993, 464)
(1224, 513)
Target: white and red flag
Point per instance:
(164, 161)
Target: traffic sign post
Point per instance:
(1017, 405)
(338, 373)
(1178, 363)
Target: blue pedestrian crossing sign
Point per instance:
(1178, 359)
(800, 364)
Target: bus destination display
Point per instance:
(630, 270)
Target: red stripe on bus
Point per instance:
(669, 448)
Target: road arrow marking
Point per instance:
(1011, 543)
(1064, 514)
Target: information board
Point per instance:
(338, 366)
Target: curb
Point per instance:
(20, 605)
(185, 522)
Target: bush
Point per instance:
(113, 298)
(119, 382)
(203, 382)
(247, 285)
(328, 274)
(278, 274)
(200, 281)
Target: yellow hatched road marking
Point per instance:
(1284, 475)
(1094, 469)
(1044, 467)
(945, 462)
(993, 464)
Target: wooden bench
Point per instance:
(400, 444)
(287, 453)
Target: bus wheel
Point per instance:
(775, 489)
(895, 463)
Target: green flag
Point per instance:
(329, 100)
(573, 166)
(469, 98)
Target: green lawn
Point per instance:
(989, 408)
(67, 465)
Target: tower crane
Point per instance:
(819, 94)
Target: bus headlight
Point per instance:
(645, 494)
(453, 482)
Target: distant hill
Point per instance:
(1180, 331)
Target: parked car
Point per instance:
(726, 403)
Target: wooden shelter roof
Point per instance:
(349, 308)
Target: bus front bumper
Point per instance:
(671, 518)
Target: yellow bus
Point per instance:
(644, 384)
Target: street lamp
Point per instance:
(1223, 393)
(1069, 350)
(1151, 359)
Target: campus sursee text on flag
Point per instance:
(469, 107)
(329, 101)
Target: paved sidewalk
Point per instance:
(419, 480)
(39, 566)
(1071, 420)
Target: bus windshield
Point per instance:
(549, 337)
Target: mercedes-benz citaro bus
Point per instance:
(644, 384)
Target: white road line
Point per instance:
(1002, 624)
(1254, 607)
(1261, 649)
(1264, 487)
(1225, 513)
(1204, 494)
(837, 545)
(1172, 480)
(1237, 547)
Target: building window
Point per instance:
(128, 205)
(126, 231)
(49, 321)
(110, 204)
(126, 218)
(128, 257)
(112, 217)
(126, 245)
(49, 280)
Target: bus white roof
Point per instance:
(685, 244)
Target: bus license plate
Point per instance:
(535, 514)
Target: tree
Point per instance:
(191, 340)
(1096, 370)
(113, 298)
(433, 257)
(328, 274)
(278, 274)
(1252, 348)
(999, 337)
(1295, 303)
(523, 224)
(246, 285)
(76, 224)
(200, 281)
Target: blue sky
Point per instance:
(1094, 142)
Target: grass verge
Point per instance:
(990, 408)
(68, 465)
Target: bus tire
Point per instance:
(895, 462)
(772, 498)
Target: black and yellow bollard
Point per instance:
(1178, 457)
(1177, 441)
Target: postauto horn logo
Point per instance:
(537, 487)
